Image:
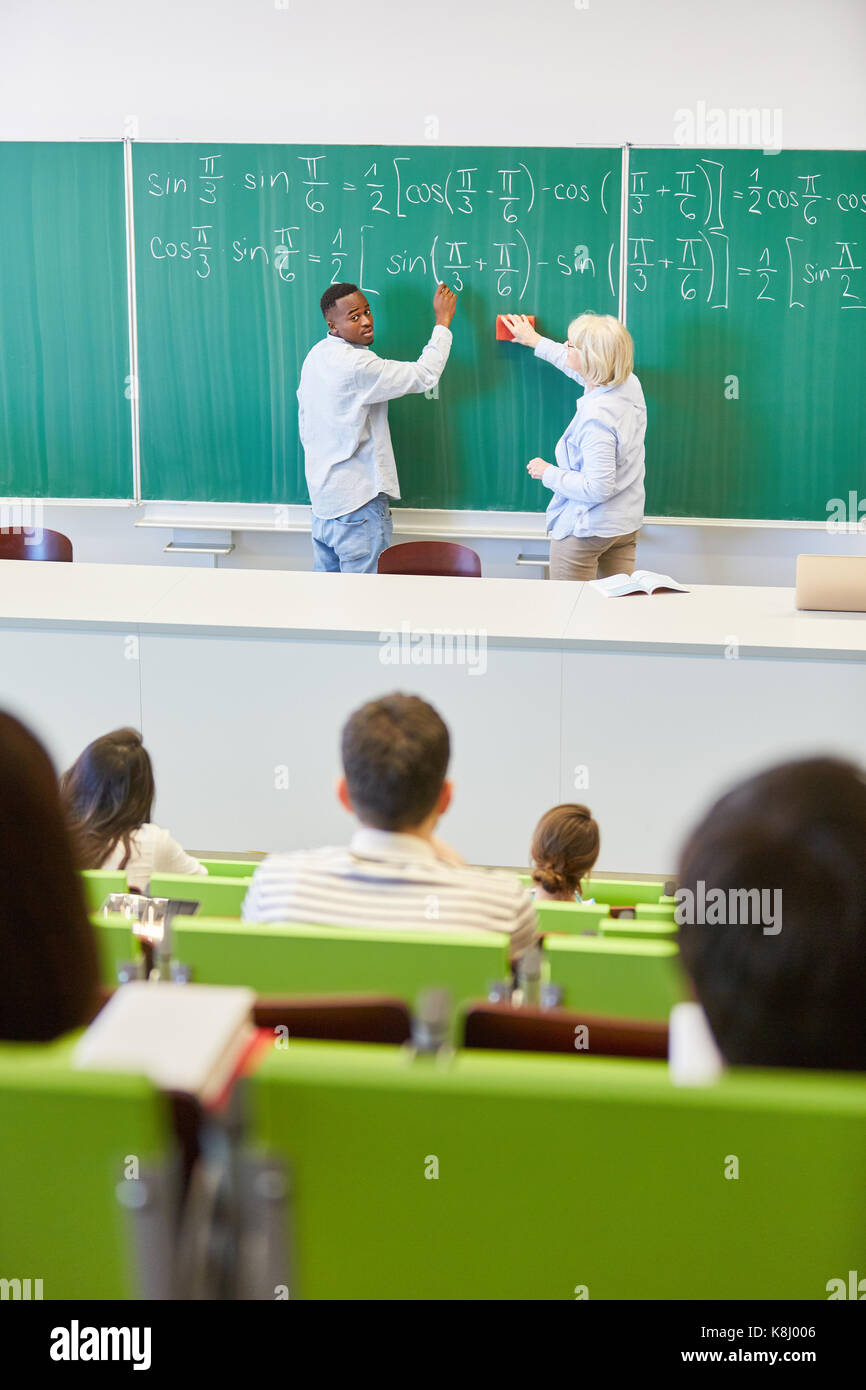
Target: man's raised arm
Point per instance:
(379, 379)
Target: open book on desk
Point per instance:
(183, 1037)
(641, 582)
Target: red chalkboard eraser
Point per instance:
(503, 333)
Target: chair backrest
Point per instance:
(623, 892)
(216, 895)
(616, 978)
(304, 959)
(431, 557)
(638, 929)
(502, 1027)
(231, 868)
(362, 1018)
(531, 1177)
(576, 918)
(618, 892)
(45, 545)
(66, 1141)
(656, 912)
(98, 883)
(117, 944)
(646, 921)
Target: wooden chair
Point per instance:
(337, 1017)
(501, 1026)
(431, 557)
(51, 545)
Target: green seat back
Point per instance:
(98, 883)
(230, 868)
(570, 917)
(556, 1172)
(621, 892)
(290, 958)
(619, 930)
(636, 929)
(616, 892)
(117, 944)
(656, 912)
(616, 978)
(66, 1139)
(217, 896)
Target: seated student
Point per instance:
(564, 849)
(781, 974)
(108, 793)
(49, 983)
(394, 873)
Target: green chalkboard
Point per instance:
(746, 297)
(65, 427)
(236, 243)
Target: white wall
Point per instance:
(490, 71)
(493, 71)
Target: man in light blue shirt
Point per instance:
(343, 416)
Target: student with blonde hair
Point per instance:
(598, 479)
(564, 849)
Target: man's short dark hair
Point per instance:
(395, 756)
(793, 998)
(333, 293)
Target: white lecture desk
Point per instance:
(645, 708)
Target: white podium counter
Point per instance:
(644, 708)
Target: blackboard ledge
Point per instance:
(408, 521)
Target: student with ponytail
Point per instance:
(564, 849)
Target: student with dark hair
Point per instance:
(343, 417)
(108, 794)
(772, 906)
(49, 980)
(395, 872)
(564, 849)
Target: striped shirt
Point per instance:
(387, 879)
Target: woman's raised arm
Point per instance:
(554, 353)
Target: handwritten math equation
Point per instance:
(356, 229)
(715, 217)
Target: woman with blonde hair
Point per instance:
(598, 479)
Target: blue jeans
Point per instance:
(354, 542)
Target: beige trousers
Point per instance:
(591, 557)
